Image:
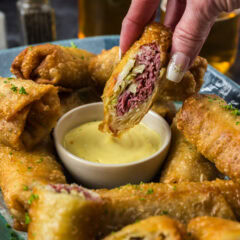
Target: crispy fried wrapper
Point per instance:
(166, 109)
(102, 66)
(111, 210)
(212, 126)
(155, 41)
(54, 64)
(211, 228)
(20, 171)
(64, 212)
(190, 84)
(158, 227)
(28, 112)
(184, 163)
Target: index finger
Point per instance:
(139, 15)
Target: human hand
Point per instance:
(190, 21)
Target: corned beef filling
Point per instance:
(87, 194)
(149, 55)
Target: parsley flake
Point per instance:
(32, 198)
(40, 160)
(150, 191)
(25, 188)
(27, 218)
(14, 88)
(73, 45)
(23, 91)
(237, 123)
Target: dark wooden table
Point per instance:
(67, 26)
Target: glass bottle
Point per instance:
(37, 19)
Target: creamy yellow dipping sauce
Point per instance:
(87, 142)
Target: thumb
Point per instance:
(189, 37)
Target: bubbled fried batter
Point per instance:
(54, 64)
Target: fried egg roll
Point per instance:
(189, 85)
(184, 163)
(152, 228)
(132, 87)
(28, 112)
(64, 212)
(102, 66)
(20, 171)
(54, 64)
(54, 214)
(210, 228)
(214, 128)
(166, 109)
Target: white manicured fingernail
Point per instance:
(177, 67)
(120, 54)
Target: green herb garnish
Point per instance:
(150, 191)
(237, 123)
(25, 188)
(32, 198)
(73, 45)
(27, 218)
(14, 88)
(40, 160)
(22, 91)
(164, 212)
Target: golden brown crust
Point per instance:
(62, 216)
(207, 122)
(20, 171)
(28, 112)
(153, 33)
(184, 163)
(157, 228)
(166, 109)
(53, 64)
(190, 84)
(210, 228)
(181, 201)
(102, 66)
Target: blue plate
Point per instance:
(215, 82)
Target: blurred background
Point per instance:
(33, 21)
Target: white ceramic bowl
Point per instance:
(109, 175)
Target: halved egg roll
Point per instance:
(64, 212)
(102, 66)
(152, 228)
(28, 112)
(184, 163)
(211, 228)
(132, 87)
(20, 171)
(54, 64)
(214, 128)
(54, 214)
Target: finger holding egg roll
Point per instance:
(132, 87)
(184, 163)
(28, 112)
(154, 228)
(214, 128)
(211, 228)
(102, 66)
(53, 64)
(20, 171)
